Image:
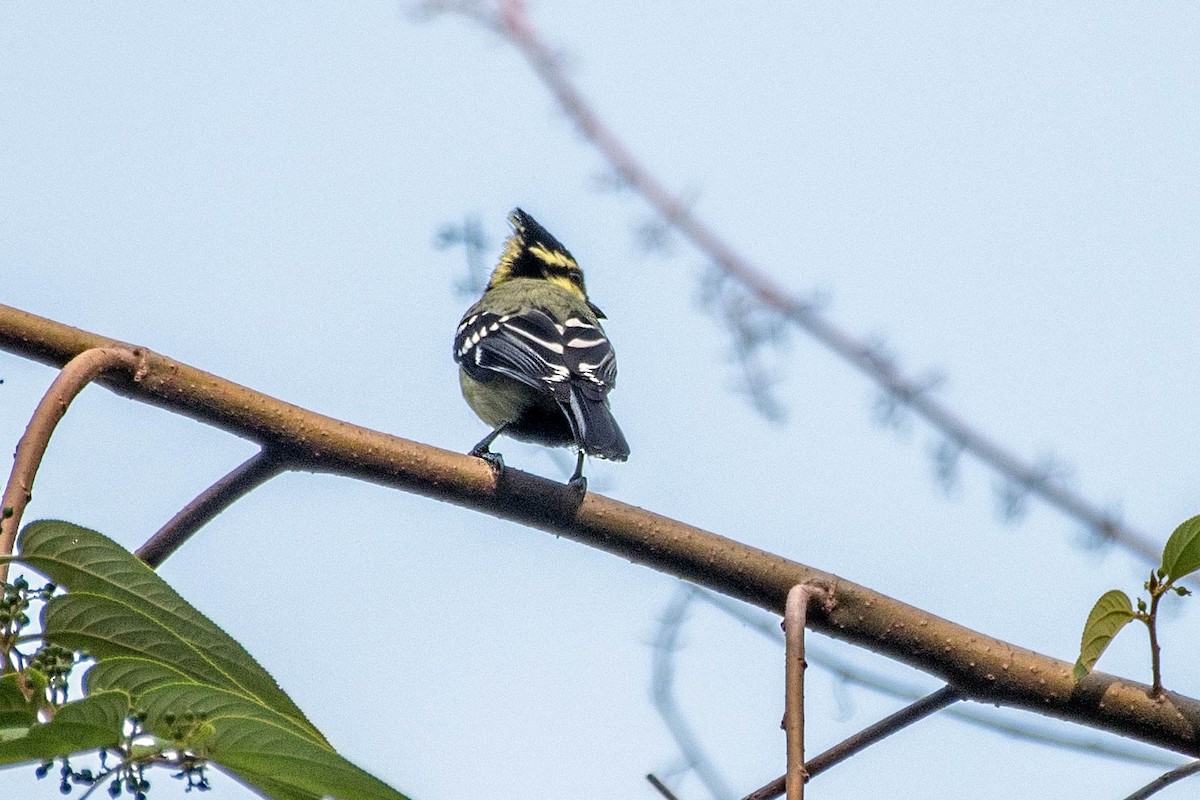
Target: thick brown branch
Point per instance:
(844, 669)
(978, 665)
(77, 373)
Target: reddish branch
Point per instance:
(513, 23)
(795, 612)
(980, 666)
(81, 370)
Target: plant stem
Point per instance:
(77, 373)
(1156, 687)
(795, 618)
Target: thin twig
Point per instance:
(254, 472)
(795, 614)
(1151, 619)
(1165, 780)
(884, 728)
(513, 22)
(662, 787)
(864, 738)
(76, 374)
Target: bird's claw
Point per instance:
(495, 460)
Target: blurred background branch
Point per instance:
(755, 309)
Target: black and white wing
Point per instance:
(589, 356)
(572, 361)
(526, 347)
(593, 365)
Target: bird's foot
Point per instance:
(578, 482)
(495, 460)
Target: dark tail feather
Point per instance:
(596, 432)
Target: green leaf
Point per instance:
(1181, 553)
(20, 698)
(139, 677)
(256, 744)
(117, 605)
(119, 636)
(134, 675)
(1112, 612)
(190, 683)
(87, 724)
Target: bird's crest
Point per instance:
(531, 252)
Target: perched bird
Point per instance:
(534, 362)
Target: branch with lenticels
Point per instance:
(978, 666)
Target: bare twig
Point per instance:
(511, 20)
(1165, 780)
(981, 666)
(795, 614)
(884, 728)
(81, 370)
(251, 474)
(863, 739)
(661, 787)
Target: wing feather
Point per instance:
(573, 361)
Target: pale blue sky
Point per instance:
(1007, 194)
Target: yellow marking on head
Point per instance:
(554, 258)
(513, 246)
(531, 252)
(564, 282)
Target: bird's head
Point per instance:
(531, 252)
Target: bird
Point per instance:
(534, 361)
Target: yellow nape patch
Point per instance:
(564, 282)
(554, 258)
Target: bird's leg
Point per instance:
(481, 450)
(578, 482)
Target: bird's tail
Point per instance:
(596, 432)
